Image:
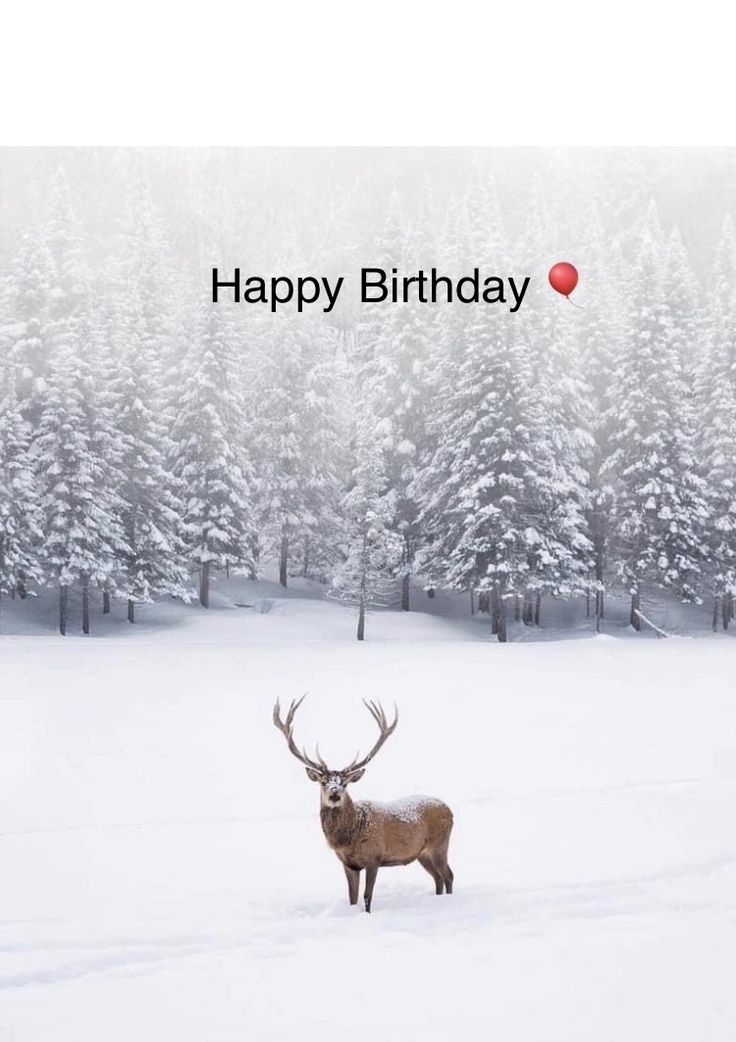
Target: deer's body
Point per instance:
(395, 833)
(366, 835)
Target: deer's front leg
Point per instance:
(353, 878)
(370, 881)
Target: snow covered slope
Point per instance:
(164, 873)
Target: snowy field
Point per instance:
(164, 874)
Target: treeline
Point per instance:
(150, 441)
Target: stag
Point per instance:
(369, 835)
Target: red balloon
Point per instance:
(563, 277)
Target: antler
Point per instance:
(377, 712)
(287, 729)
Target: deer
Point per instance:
(366, 835)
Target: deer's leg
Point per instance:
(353, 878)
(440, 860)
(370, 881)
(428, 865)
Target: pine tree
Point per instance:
(209, 456)
(83, 537)
(548, 331)
(143, 260)
(20, 533)
(77, 482)
(660, 509)
(717, 425)
(683, 299)
(603, 325)
(477, 492)
(401, 400)
(29, 312)
(372, 550)
(561, 444)
(298, 439)
(138, 447)
(140, 341)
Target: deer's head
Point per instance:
(333, 783)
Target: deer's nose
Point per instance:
(335, 797)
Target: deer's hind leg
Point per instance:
(353, 878)
(439, 859)
(427, 863)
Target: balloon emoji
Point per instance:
(563, 277)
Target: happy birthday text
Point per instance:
(377, 286)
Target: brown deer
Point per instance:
(368, 835)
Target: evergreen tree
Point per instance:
(20, 533)
(139, 446)
(77, 481)
(28, 310)
(660, 509)
(401, 401)
(83, 536)
(561, 445)
(477, 491)
(603, 325)
(717, 425)
(298, 436)
(372, 550)
(209, 457)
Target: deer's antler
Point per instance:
(377, 712)
(286, 727)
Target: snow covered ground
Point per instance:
(164, 874)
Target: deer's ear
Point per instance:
(313, 775)
(355, 776)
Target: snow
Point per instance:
(165, 875)
(408, 808)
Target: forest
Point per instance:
(151, 441)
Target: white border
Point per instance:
(375, 72)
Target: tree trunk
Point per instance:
(599, 563)
(63, 604)
(725, 612)
(284, 559)
(634, 617)
(131, 610)
(527, 614)
(430, 593)
(587, 603)
(472, 601)
(105, 602)
(502, 635)
(306, 562)
(204, 585)
(405, 605)
(361, 618)
(517, 607)
(493, 608)
(483, 602)
(85, 604)
(537, 608)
